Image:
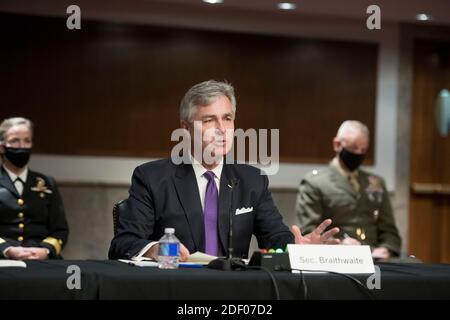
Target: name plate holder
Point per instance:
(334, 258)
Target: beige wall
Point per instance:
(89, 214)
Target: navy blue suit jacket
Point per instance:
(163, 194)
(40, 214)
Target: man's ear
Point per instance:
(184, 124)
(2, 150)
(337, 146)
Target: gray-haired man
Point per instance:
(196, 198)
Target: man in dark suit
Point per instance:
(32, 220)
(197, 198)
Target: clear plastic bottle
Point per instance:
(169, 250)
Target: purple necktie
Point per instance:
(211, 212)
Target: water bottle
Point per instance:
(169, 250)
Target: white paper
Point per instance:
(200, 258)
(140, 263)
(12, 263)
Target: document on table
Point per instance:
(12, 263)
(200, 258)
(140, 263)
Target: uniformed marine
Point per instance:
(356, 200)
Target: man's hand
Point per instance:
(153, 253)
(317, 236)
(27, 253)
(37, 253)
(381, 253)
(351, 241)
(18, 253)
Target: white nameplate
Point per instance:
(335, 258)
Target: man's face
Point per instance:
(18, 136)
(215, 124)
(354, 142)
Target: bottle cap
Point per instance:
(169, 230)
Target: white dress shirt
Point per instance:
(17, 184)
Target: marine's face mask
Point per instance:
(351, 160)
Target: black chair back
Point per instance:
(119, 207)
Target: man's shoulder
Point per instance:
(246, 170)
(161, 166)
(167, 167)
(318, 175)
(156, 164)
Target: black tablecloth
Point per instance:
(116, 280)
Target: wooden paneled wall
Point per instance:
(114, 89)
(429, 235)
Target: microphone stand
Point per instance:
(229, 263)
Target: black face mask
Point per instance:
(18, 156)
(351, 160)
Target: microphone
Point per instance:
(229, 263)
(232, 185)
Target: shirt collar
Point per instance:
(13, 176)
(344, 172)
(199, 169)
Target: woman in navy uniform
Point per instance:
(32, 220)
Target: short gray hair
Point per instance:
(204, 94)
(352, 126)
(11, 122)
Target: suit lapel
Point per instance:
(6, 182)
(341, 182)
(226, 208)
(187, 191)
